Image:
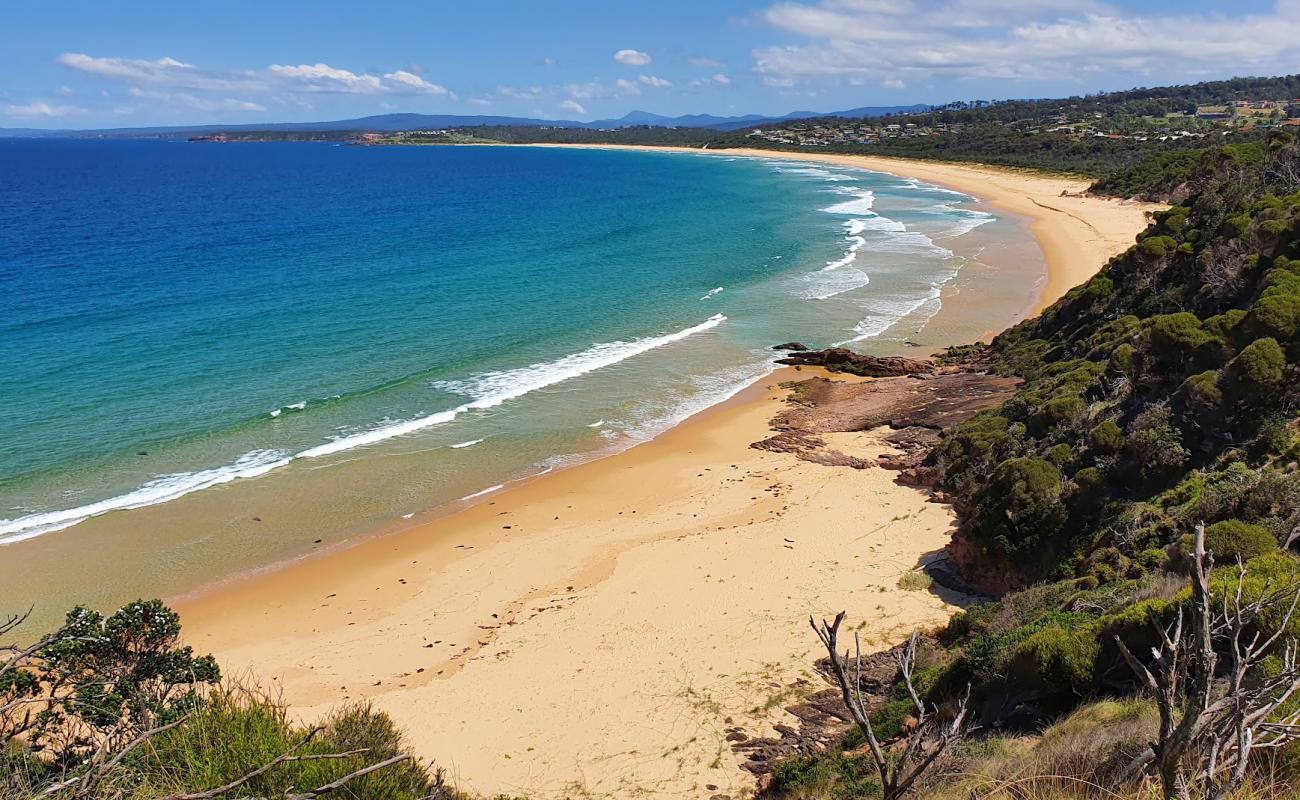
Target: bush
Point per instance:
(1060, 411)
(1060, 455)
(1231, 540)
(1156, 443)
(1258, 367)
(1222, 325)
(1177, 335)
(1121, 360)
(1107, 438)
(1203, 388)
(825, 775)
(1061, 659)
(1276, 316)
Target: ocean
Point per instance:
(226, 352)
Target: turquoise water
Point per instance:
(178, 317)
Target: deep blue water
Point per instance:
(177, 315)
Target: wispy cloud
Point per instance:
(891, 41)
(186, 100)
(39, 109)
(574, 106)
(634, 58)
(655, 81)
(174, 74)
(713, 80)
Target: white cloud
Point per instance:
(713, 80)
(633, 58)
(894, 83)
(585, 91)
(39, 109)
(574, 106)
(655, 81)
(171, 73)
(901, 40)
(705, 63)
(186, 100)
(164, 71)
(625, 86)
(530, 94)
(414, 83)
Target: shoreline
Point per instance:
(545, 633)
(1078, 234)
(544, 640)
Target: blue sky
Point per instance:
(75, 63)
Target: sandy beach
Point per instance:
(598, 631)
(602, 630)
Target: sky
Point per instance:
(80, 64)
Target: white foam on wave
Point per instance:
(488, 390)
(463, 445)
(299, 406)
(159, 490)
(964, 220)
(712, 293)
(812, 171)
(862, 202)
(488, 490)
(597, 423)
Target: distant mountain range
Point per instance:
(403, 122)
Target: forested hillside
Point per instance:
(1161, 394)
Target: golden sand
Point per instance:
(596, 631)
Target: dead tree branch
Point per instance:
(923, 745)
(1216, 710)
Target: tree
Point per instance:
(928, 739)
(1212, 719)
(75, 706)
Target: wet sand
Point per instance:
(598, 630)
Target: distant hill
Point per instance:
(403, 122)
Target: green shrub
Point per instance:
(1088, 479)
(1121, 360)
(1157, 246)
(1222, 325)
(236, 731)
(1203, 388)
(1276, 316)
(825, 775)
(1154, 440)
(1258, 367)
(1061, 659)
(1060, 455)
(1177, 334)
(1060, 411)
(1107, 437)
(1231, 540)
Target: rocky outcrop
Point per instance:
(839, 359)
(791, 346)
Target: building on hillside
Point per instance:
(1214, 112)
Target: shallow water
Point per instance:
(214, 355)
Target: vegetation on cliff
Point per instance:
(1162, 393)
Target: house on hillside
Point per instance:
(1214, 112)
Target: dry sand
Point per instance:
(595, 632)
